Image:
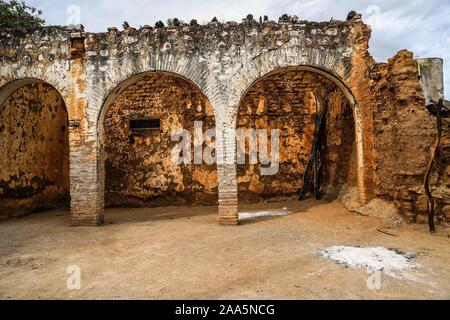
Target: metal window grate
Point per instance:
(145, 124)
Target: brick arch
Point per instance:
(245, 79)
(330, 64)
(324, 73)
(115, 90)
(54, 73)
(123, 72)
(111, 98)
(10, 87)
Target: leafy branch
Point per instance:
(18, 15)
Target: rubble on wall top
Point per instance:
(249, 20)
(59, 42)
(285, 19)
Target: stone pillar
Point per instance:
(86, 191)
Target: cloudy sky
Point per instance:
(422, 26)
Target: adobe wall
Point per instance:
(405, 134)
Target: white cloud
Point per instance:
(422, 26)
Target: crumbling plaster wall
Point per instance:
(290, 101)
(139, 166)
(223, 60)
(45, 55)
(34, 172)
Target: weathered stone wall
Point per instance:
(289, 101)
(34, 171)
(139, 166)
(35, 46)
(223, 60)
(39, 55)
(405, 132)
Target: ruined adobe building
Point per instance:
(68, 99)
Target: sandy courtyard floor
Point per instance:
(182, 253)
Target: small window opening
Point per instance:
(145, 124)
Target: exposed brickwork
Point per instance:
(289, 101)
(139, 167)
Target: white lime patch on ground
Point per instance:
(390, 262)
(263, 214)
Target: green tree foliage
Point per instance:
(17, 14)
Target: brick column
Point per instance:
(228, 197)
(227, 173)
(86, 189)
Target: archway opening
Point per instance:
(139, 123)
(34, 139)
(291, 101)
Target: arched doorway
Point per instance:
(137, 126)
(291, 100)
(34, 139)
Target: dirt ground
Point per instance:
(182, 253)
